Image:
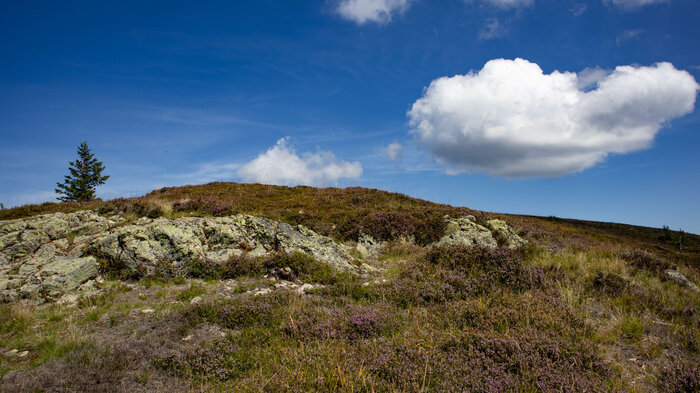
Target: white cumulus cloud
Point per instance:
(632, 4)
(510, 119)
(377, 11)
(281, 165)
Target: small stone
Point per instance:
(99, 280)
(23, 354)
(261, 291)
(196, 300)
(188, 338)
(10, 353)
(302, 289)
(69, 299)
(147, 311)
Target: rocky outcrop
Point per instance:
(465, 231)
(505, 235)
(43, 257)
(175, 242)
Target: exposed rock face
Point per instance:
(466, 231)
(43, 257)
(175, 242)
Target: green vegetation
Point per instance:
(85, 175)
(584, 308)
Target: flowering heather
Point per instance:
(680, 377)
(237, 312)
(645, 260)
(219, 360)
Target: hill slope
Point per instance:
(584, 306)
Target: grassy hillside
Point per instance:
(342, 213)
(584, 308)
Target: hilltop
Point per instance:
(245, 287)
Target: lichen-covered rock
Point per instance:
(44, 257)
(67, 274)
(465, 231)
(176, 242)
(680, 279)
(508, 237)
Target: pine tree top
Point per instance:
(85, 175)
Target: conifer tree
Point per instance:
(85, 175)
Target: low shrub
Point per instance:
(237, 312)
(287, 266)
(221, 360)
(645, 260)
(680, 377)
(609, 284)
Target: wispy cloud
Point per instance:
(376, 11)
(492, 29)
(633, 4)
(627, 35)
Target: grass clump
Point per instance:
(190, 293)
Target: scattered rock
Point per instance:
(465, 231)
(261, 291)
(148, 311)
(680, 279)
(187, 338)
(196, 300)
(23, 354)
(10, 353)
(302, 289)
(508, 237)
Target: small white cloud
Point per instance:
(492, 29)
(394, 151)
(377, 11)
(281, 165)
(509, 3)
(633, 4)
(512, 120)
(627, 35)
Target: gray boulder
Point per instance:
(465, 231)
(680, 279)
(506, 234)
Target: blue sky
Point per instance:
(597, 121)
